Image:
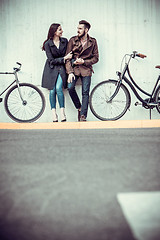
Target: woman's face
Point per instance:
(59, 32)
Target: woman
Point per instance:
(54, 75)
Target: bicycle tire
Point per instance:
(28, 110)
(157, 98)
(109, 111)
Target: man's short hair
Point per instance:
(86, 24)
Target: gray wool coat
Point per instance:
(54, 64)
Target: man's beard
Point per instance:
(82, 35)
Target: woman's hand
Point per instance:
(68, 56)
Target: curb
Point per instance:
(85, 125)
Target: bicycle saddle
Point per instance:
(158, 66)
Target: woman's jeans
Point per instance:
(86, 82)
(57, 90)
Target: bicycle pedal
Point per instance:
(137, 103)
(1, 99)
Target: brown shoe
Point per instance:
(83, 118)
(79, 115)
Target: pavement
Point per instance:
(155, 123)
(80, 183)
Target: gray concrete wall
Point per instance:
(119, 27)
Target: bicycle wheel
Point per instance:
(27, 110)
(157, 98)
(113, 110)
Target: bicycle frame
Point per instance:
(10, 84)
(133, 85)
(151, 96)
(15, 81)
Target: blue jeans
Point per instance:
(86, 82)
(57, 90)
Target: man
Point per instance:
(85, 54)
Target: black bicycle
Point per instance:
(110, 99)
(23, 102)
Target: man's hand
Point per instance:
(70, 77)
(79, 61)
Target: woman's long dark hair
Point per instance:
(53, 28)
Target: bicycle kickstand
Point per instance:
(150, 113)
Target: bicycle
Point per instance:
(110, 99)
(23, 102)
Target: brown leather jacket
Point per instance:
(89, 53)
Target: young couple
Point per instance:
(66, 62)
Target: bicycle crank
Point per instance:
(137, 103)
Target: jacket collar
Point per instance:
(88, 38)
(86, 46)
(51, 43)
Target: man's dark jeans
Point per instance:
(86, 82)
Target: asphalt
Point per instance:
(64, 184)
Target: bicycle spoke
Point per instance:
(104, 109)
(157, 97)
(27, 109)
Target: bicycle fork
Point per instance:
(121, 75)
(116, 91)
(24, 102)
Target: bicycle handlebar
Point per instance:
(140, 55)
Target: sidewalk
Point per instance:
(85, 125)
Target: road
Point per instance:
(63, 184)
